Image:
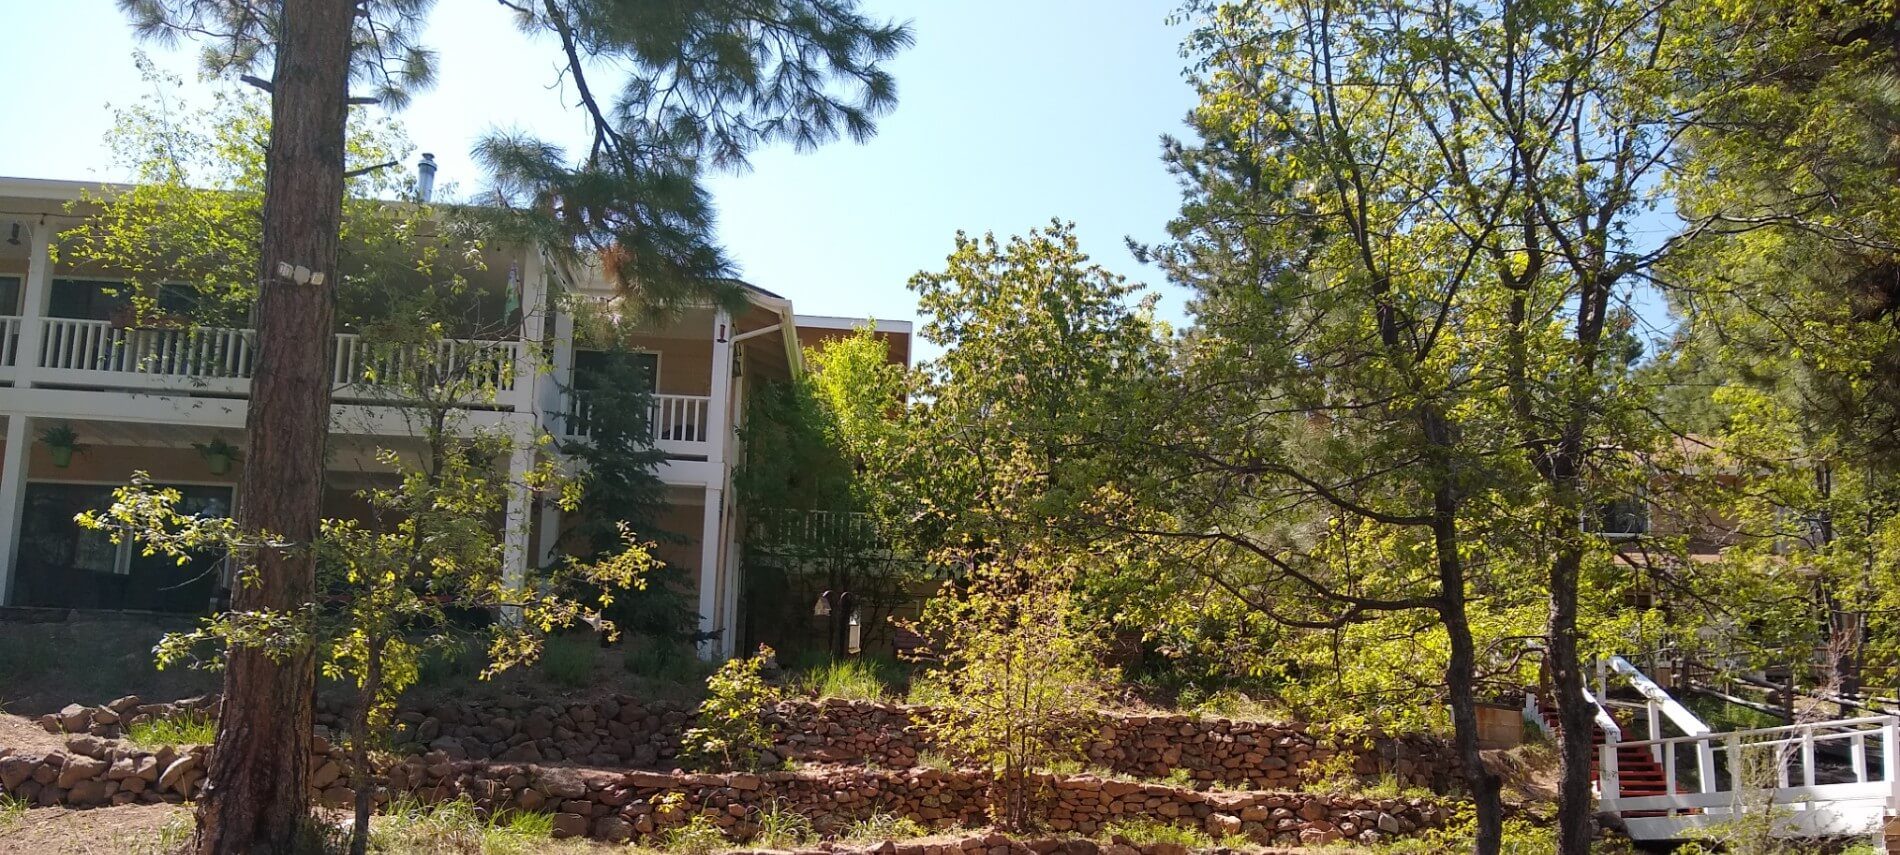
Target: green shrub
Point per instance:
(879, 827)
(1147, 832)
(732, 733)
(186, 728)
(569, 660)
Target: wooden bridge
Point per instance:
(1832, 778)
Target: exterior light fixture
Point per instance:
(15, 237)
(822, 608)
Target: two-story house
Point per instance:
(153, 398)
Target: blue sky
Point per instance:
(1009, 113)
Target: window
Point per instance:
(62, 565)
(9, 295)
(1623, 516)
(87, 299)
(589, 365)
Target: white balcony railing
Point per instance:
(481, 364)
(678, 422)
(78, 352)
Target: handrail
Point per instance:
(1781, 729)
(1680, 715)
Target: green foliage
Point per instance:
(732, 732)
(60, 435)
(1041, 351)
(179, 729)
(1520, 837)
(192, 219)
(568, 660)
(1017, 672)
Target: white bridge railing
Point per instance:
(1761, 777)
(1777, 771)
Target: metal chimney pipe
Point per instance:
(425, 177)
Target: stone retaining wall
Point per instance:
(617, 805)
(620, 731)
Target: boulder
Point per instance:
(80, 769)
(569, 825)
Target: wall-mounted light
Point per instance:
(15, 237)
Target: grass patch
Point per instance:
(568, 660)
(699, 836)
(848, 679)
(186, 728)
(879, 827)
(781, 827)
(664, 661)
(413, 828)
(1147, 832)
(12, 810)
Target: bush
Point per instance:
(185, 728)
(569, 660)
(732, 733)
(1018, 674)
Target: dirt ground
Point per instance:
(127, 830)
(23, 736)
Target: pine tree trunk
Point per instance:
(255, 796)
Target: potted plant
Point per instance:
(218, 454)
(61, 441)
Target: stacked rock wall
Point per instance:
(618, 806)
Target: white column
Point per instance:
(712, 572)
(514, 568)
(534, 315)
(13, 498)
(35, 296)
(709, 573)
(559, 381)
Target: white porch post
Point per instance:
(515, 527)
(534, 326)
(35, 295)
(550, 531)
(711, 572)
(13, 498)
(559, 382)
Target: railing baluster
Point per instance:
(1807, 756)
(1857, 755)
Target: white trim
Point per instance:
(839, 322)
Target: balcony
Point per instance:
(220, 360)
(678, 423)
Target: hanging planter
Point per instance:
(218, 454)
(61, 441)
